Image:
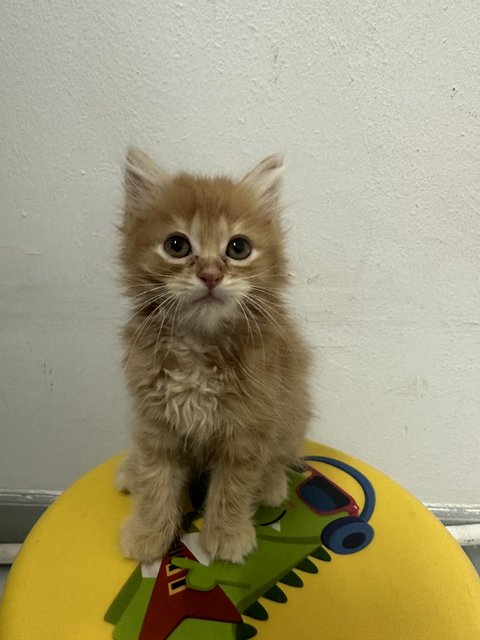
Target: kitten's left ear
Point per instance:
(142, 177)
(266, 179)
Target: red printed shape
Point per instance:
(172, 601)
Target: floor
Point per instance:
(474, 554)
(3, 576)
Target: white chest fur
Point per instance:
(188, 394)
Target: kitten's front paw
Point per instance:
(224, 544)
(145, 544)
(275, 491)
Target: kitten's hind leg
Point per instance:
(123, 480)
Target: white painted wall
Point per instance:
(377, 106)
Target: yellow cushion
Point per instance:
(412, 582)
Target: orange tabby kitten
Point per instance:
(215, 365)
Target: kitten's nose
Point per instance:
(210, 277)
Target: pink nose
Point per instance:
(210, 278)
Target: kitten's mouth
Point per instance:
(209, 298)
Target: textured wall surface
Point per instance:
(377, 108)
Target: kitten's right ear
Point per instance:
(266, 179)
(143, 178)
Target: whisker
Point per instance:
(140, 309)
(271, 290)
(151, 316)
(179, 304)
(154, 300)
(145, 276)
(138, 333)
(268, 316)
(268, 303)
(239, 302)
(166, 312)
(263, 273)
(148, 291)
(259, 333)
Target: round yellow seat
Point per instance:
(411, 581)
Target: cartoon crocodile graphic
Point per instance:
(187, 597)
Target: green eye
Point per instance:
(177, 246)
(239, 248)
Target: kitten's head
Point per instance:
(201, 253)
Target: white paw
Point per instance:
(230, 545)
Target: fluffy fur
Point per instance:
(217, 371)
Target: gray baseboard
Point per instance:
(456, 513)
(19, 511)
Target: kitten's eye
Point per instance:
(177, 246)
(239, 248)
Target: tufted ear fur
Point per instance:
(266, 179)
(143, 180)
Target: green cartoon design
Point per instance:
(186, 597)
